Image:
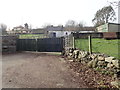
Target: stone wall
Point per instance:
(105, 64)
(9, 43)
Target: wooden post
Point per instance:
(73, 42)
(90, 44)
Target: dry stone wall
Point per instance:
(105, 64)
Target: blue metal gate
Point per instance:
(41, 45)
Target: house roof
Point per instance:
(70, 28)
(108, 24)
(19, 27)
(87, 29)
(54, 28)
(79, 28)
(38, 30)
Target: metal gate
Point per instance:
(41, 45)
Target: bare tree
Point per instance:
(81, 24)
(3, 28)
(116, 4)
(104, 15)
(70, 23)
(47, 25)
(26, 25)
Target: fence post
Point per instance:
(90, 44)
(73, 42)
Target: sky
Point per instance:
(39, 13)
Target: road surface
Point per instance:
(37, 70)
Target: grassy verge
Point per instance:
(109, 47)
(31, 36)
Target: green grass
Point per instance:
(31, 36)
(82, 44)
(109, 47)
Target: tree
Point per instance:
(81, 24)
(116, 4)
(104, 15)
(46, 25)
(26, 25)
(3, 28)
(70, 23)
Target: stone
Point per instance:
(109, 59)
(76, 56)
(110, 65)
(93, 56)
(73, 55)
(84, 55)
(76, 52)
(94, 64)
(68, 57)
(59, 85)
(101, 58)
(79, 56)
(102, 64)
(81, 52)
(116, 63)
(70, 54)
(71, 50)
(70, 60)
(90, 64)
(116, 83)
(83, 62)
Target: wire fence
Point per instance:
(109, 47)
(82, 44)
(68, 41)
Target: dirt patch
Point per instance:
(92, 78)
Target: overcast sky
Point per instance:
(41, 12)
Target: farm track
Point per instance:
(38, 70)
(47, 70)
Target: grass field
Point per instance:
(109, 47)
(31, 36)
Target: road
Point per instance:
(37, 70)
